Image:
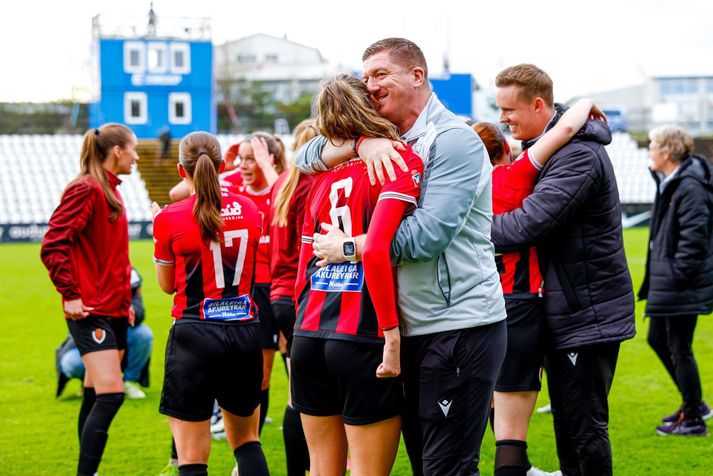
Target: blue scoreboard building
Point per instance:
(455, 91)
(151, 82)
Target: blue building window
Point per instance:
(180, 58)
(136, 109)
(157, 57)
(134, 57)
(179, 108)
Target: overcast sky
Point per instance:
(586, 47)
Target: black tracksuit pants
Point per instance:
(579, 381)
(672, 340)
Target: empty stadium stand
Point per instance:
(36, 168)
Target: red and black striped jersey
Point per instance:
(333, 301)
(519, 270)
(212, 279)
(262, 201)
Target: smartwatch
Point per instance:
(349, 249)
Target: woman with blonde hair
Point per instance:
(86, 250)
(345, 353)
(678, 284)
(205, 248)
(287, 210)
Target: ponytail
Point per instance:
(199, 155)
(208, 198)
(96, 146)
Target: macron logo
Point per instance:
(445, 406)
(573, 358)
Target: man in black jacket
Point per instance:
(574, 218)
(679, 268)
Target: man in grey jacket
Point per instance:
(451, 306)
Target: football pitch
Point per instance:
(38, 433)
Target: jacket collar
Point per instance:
(428, 114)
(113, 179)
(692, 166)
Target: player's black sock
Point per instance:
(511, 458)
(87, 403)
(251, 459)
(492, 419)
(195, 469)
(94, 434)
(264, 404)
(284, 361)
(296, 452)
(174, 451)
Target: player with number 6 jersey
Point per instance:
(345, 352)
(205, 248)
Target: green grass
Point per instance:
(38, 432)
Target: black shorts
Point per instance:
(283, 308)
(448, 382)
(522, 367)
(211, 361)
(95, 333)
(337, 377)
(269, 331)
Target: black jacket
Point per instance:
(679, 265)
(573, 216)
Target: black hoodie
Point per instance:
(573, 216)
(679, 265)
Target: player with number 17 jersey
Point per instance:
(212, 279)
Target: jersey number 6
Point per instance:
(335, 212)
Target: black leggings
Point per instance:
(672, 340)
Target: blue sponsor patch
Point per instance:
(227, 309)
(337, 278)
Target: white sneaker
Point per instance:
(132, 391)
(218, 426)
(533, 471)
(235, 471)
(219, 436)
(545, 409)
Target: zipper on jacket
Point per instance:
(566, 286)
(446, 293)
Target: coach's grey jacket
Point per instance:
(447, 278)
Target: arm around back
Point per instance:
(564, 186)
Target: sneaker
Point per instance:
(705, 411)
(235, 471)
(171, 468)
(218, 426)
(545, 409)
(132, 391)
(219, 435)
(683, 427)
(534, 471)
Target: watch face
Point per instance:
(348, 248)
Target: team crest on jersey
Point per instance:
(98, 335)
(416, 177)
(232, 210)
